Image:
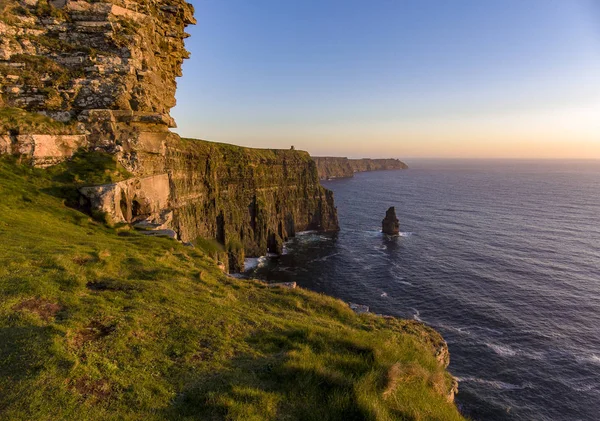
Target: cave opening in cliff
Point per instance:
(136, 209)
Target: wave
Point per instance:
(495, 384)
(324, 258)
(304, 233)
(508, 351)
(255, 262)
(588, 358)
(503, 350)
(417, 315)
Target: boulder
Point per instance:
(289, 285)
(359, 308)
(390, 224)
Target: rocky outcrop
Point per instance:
(63, 57)
(333, 167)
(104, 70)
(43, 150)
(390, 224)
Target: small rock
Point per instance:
(359, 308)
(290, 285)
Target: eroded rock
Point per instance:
(390, 224)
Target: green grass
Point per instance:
(18, 121)
(245, 154)
(99, 323)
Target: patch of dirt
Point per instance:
(92, 332)
(98, 389)
(110, 285)
(46, 309)
(82, 260)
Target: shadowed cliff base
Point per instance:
(337, 167)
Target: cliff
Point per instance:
(334, 167)
(100, 76)
(249, 200)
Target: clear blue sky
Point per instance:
(454, 78)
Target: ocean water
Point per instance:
(501, 257)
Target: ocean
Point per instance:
(501, 257)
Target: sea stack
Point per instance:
(390, 224)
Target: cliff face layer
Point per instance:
(334, 167)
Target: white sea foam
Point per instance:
(303, 233)
(251, 262)
(496, 384)
(417, 315)
(503, 350)
(589, 358)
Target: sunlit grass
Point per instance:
(104, 323)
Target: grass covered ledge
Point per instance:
(100, 323)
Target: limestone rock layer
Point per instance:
(64, 58)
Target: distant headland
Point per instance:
(330, 167)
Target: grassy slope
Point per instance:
(101, 323)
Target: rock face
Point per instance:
(100, 75)
(333, 167)
(390, 224)
(64, 57)
(104, 70)
(43, 150)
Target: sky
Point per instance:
(396, 78)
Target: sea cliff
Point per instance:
(101, 77)
(249, 200)
(335, 167)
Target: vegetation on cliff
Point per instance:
(16, 121)
(101, 322)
